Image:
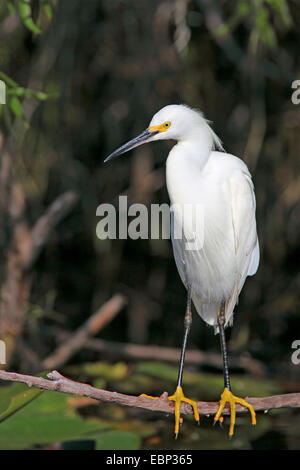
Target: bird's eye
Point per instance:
(167, 124)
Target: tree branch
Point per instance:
(161, 353)
(24, 246)
(43, 228)
(59, 383)
(91, 327)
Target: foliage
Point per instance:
(261, 14)
(110, 65)
(24, 9)
(14, 92)
(34, 418)
(31, 418)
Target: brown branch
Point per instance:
(162, 353)
(138, 351)
(92, 326)
(24, 247)
(48, 221)
(59, 383)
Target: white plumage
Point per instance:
(222, 185)
(227, 249)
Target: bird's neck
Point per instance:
(194, 151)
(185, 164)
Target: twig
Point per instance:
(92, 326)
(24, 247)
(59, 383)
(48, 221)
(162, 353)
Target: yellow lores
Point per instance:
(161, 128)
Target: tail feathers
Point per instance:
(209, 311)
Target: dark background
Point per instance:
(106, 68)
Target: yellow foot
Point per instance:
(227, 396)
(178, 397)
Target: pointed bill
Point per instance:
(144, 137)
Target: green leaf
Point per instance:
(11, 8)
(4, 403)
(117, 440)
(16, 91)
(158, 370)
(27, 93)
(50, 418)
(48, 10)
(101, 369)
(9, 81)
(99, 383)
(40, 95)
(15, 106)
(15, 397)
(25, 13)
(282, 8)
(21, 431)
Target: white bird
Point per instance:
(225, 250)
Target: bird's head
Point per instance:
(175, 121)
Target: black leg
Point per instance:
(221, 323)
(178, 397)
(227, 395)
(187, 326)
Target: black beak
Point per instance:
(139, 140)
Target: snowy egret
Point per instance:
(198, 171)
